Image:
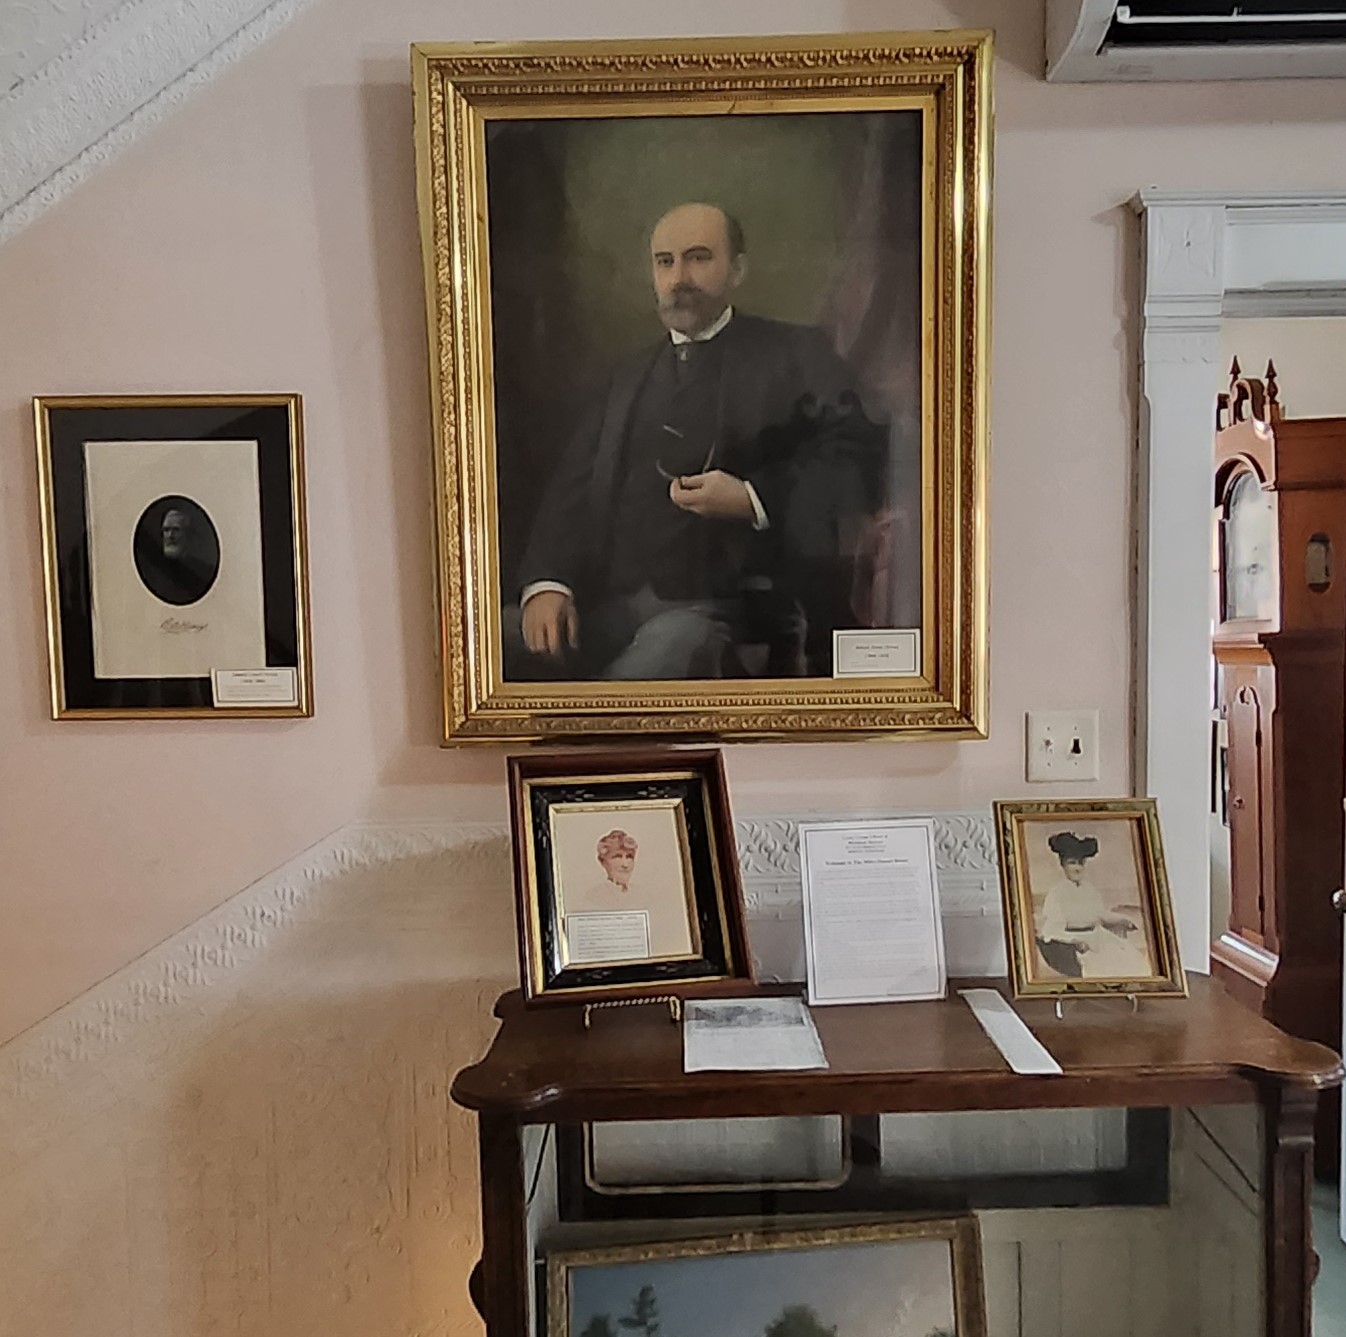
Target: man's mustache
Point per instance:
(682, 293)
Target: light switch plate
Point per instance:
(1062, 745)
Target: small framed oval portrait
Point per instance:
(175, 555)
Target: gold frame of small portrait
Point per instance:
(1012, 820)
(177, 411)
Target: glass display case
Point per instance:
(916, 1185)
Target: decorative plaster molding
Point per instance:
(119, 76)
(1269, 303)
(1249, 205)
(34, 32)
(1183, 252)
(193, 972)
(173, 980)
(1181, 345)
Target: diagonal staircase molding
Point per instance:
(204, 969)
(110, 82)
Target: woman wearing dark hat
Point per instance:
(1078, 935)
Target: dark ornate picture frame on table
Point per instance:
(627, 883)
(175, 555)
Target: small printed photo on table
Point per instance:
(1086, 898)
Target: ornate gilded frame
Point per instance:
(459, 90)
(1012, 821)
(960, 1232)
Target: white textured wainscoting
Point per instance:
(969, 890)
(247, 1132)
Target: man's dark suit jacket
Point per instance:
(789, 423)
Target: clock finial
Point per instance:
(1273, 394)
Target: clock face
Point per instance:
(1249, 536)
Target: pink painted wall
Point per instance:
(265, 238)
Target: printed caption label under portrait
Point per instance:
(871, 653)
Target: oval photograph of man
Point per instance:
(177, 550)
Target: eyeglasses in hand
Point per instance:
(682, 436)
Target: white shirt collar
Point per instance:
(708, 333)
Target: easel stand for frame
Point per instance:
(673, 1003)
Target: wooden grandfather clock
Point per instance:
(1280, 650)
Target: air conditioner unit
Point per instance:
(1102, 40)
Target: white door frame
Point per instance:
(1207, 255)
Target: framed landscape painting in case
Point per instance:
(708, 338)
(920, 1277)
(626, 878)
(1087, 907)
(174, 555)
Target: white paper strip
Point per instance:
(1021, 1049)
(739, 1034)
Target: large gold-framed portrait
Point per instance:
(708, 354)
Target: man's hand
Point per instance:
(715, 495)
(551, 626)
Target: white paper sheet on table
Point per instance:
(745, 1034)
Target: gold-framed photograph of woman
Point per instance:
(1086, 897)
(626, 878)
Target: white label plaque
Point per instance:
(877, 653)
(255, 687)
(607, 935)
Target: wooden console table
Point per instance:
(544, 1067)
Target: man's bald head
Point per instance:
(697, 258)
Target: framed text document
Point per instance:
(872, 931)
